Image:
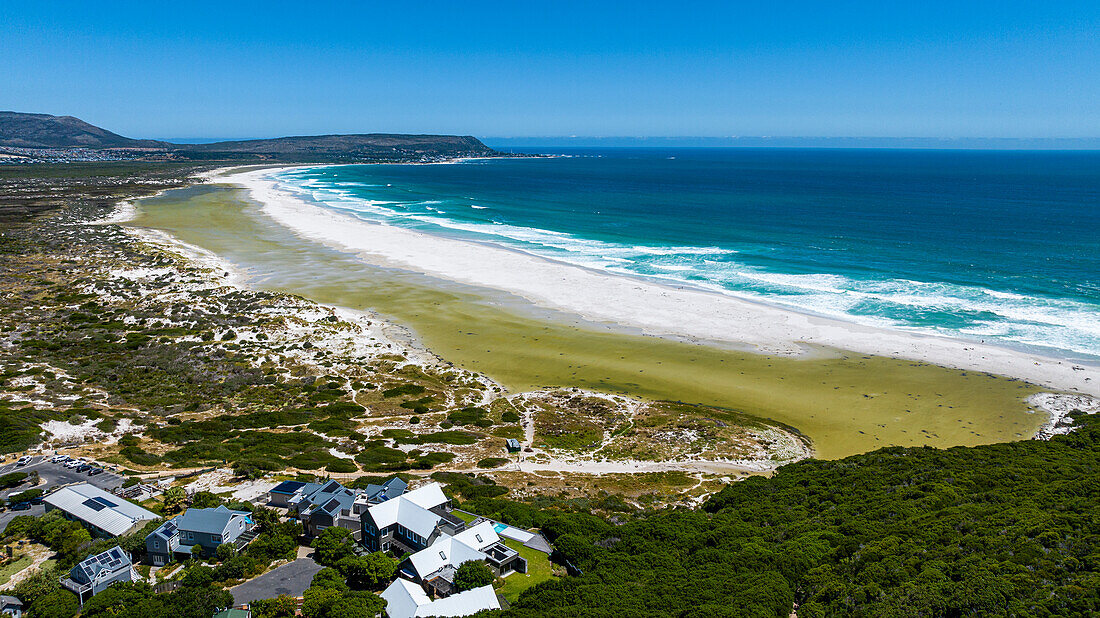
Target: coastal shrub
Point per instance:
(129, 440)
(379, 455)
(138, 456)
(415, 420)
(509, 416)
(430, 460)
(470, 416)
(342, 466)
(24, 496)
(492, 462)
(12, 479)
(313, 460)
(20, 428)
(404, 389)
(448, 437)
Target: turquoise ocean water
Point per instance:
(996, 246)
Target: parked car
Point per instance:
(24, 460)
(59, 458)
(21, 506)
(83, 467)
(95, 471)
(36, 500)
(73, 463)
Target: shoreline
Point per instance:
(695, 315)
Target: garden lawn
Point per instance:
(538, 571)
(464, 516)
(14, 567)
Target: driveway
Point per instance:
(292, 578)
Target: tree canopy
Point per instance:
(1003, 529)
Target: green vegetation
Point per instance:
(12, 567)
(333, 545)
(492, 462)
(43, 595)
(539, 570)
(473, 574)
(1004, 529)
(13, 479)
(19, 427)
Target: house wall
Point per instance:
(159, 551)
(279, 499)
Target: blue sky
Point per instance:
(236, 69)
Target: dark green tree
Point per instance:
(333, 544)
(473, 574)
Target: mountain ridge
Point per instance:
(45, 131)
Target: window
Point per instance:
(478, 537)
(217, 538)
(443, 555)
(156, 544)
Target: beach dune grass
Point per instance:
(845, 403)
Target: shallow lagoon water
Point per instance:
(846, 403)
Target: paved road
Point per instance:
(51, 475)
(292, 578)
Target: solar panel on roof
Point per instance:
(94, 505)
(330, 505)
(332, 486)
(104, 501)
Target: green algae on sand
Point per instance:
(846, 403)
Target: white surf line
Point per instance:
(654, 308)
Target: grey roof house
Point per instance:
(104, 514)
(11, 606)
(204, 528)
(95, 573)
(330, 504)
(392, 488)
(281, 494)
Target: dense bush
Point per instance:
(1004, 529)
(12, 479)
(473, 574)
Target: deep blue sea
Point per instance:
(985, 245)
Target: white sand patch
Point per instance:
(1059, 406)
(654, 308)
(64, 432)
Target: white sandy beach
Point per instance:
(653, 308)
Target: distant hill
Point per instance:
(20, 130)
(369, 145)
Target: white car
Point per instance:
(72, 463)
(24, 460)
(58, 458)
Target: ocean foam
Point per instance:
(966, 311)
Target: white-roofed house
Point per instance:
(105, 514)
(405, 599)
(410, 522)
(435, 566)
